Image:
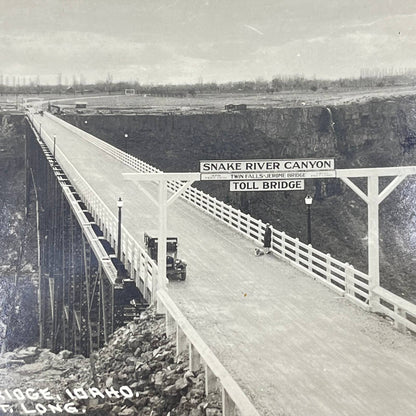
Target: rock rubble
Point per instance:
(136, 373)
(140, 358)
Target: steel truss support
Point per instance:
(80, 305)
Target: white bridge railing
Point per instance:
(341, 277)
(401, 312)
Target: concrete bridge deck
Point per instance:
(295, 347)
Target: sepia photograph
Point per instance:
(208, 208)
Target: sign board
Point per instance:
(275, 166)
(267, 185)
(267, 175)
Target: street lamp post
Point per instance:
(308, 202)
(120, 206)
(54, 145)
(120, 271)
(126, 136)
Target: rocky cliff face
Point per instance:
(17, 248)
(368, 134)
(375, 133)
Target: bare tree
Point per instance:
(109, 82)
(81, 82)
(59, 82)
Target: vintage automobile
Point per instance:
(175, 268)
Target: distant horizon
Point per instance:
(374, 73)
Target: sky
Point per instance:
(189, 41)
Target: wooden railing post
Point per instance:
(259, 232)
(310, 258)
(328, 267)
(228, 406)
(211, 382)
(142, 272)
(222, 209)
(349, 280)
(238, 219)
(160, 308)
(283, 237)
(181, 341)
(170, 325)
(154, 285)
(297, 250)
(397, 324)
(194, 358)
